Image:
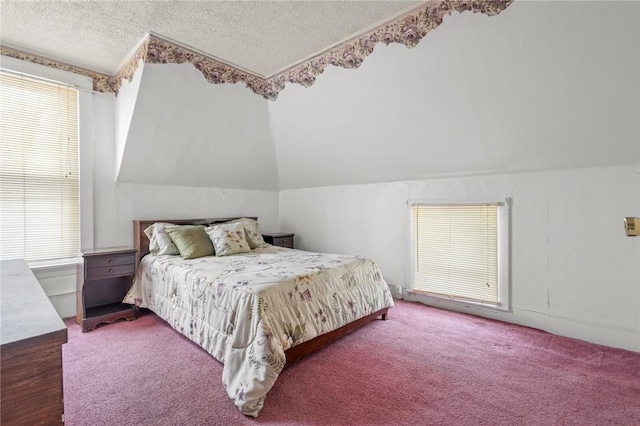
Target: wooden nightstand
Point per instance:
(279, 239)
(104, 278)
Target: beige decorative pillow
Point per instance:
(159, 241)
(228, 238)
(192, 241)
(253, 237)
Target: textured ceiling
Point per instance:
(262, 37)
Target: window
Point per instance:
(459, 252)
(39, 185)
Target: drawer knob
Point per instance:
(110, 261)
(110, 270)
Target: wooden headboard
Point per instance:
(141, 242)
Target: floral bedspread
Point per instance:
(247, 309)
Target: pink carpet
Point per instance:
(423, 366)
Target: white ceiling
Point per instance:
(263, 37)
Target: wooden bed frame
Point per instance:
(293, 354)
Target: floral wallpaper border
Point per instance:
(408, 30)
(101, 82)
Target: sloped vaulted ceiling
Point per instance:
(185, 131)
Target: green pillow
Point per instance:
(192, 241)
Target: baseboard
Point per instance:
(593, 333)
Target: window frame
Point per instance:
(503, 255)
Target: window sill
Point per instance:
(53, 264)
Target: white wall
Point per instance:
(542, 86)
(59, 284)
(573, 270)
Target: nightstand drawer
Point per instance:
(92, 273)
(100, 262)
(283, 242)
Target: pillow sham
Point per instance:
(228, 238)
(159, 241)
(253, 237)
(192, 241)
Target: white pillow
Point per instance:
(253, 237)
(160, 242)
(228, 238)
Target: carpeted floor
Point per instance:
(423, 366)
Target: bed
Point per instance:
(259, 310)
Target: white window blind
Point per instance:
(39, 185)
(455, 251)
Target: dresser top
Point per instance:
(278, 234)
(25, 310)
(108, 251)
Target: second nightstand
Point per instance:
(104, 278)
(279, 239)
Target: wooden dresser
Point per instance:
(32, 334)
